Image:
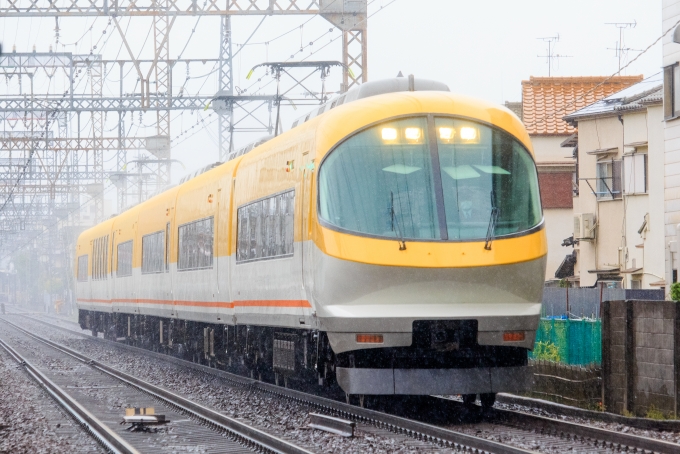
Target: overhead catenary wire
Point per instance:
(288, 59)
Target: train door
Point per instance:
(165, 292)
(307, 200)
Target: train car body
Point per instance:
(394, 242)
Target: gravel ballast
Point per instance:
(30, 421)
(281, 417)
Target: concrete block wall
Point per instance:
(614, 363)
(641, 356)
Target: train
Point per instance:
(391, 242)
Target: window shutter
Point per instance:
(668, 91)
(639, 168)
(628, 174)
(616, 179)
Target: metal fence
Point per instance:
(578, 342)
(586, 302)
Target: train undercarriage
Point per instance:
(300, 358)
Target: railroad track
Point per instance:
(496, 431)
(193, 425)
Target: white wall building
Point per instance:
(618, 214)
(545, 100)
(671, 125)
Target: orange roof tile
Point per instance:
(545, 100)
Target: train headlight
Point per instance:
(468, 134)
(389, 134)
(413, 134)
(446, 134)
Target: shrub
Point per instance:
(546, 351)
(675, 291)
(654, 413)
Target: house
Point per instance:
(670, 13)
(618, 212)
(545, 100)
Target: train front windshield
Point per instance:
(450, 179)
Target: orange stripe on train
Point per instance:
(225, 305)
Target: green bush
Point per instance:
(655, 413)
(546, 351)
(675, 291)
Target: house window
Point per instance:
(196, 245)
(265, 228)
(635, 174)
(82, 268)
(124, 255)
(152, 253)
(609, 180)
(671, 91)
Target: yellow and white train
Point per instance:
(393, 241)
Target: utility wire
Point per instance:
(566, 107)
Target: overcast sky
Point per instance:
(483, 48)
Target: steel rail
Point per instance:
(564, 428)
(97, 429)
(397, 424)
(247, 435)
(535, 422)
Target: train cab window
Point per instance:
(196, 245)
(266, 228)
(485, 173)
(437, 179)
(153, 248)
(380, 182)
(82, 268)
(124, 256)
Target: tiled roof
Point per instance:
(545, 100)
(635, 97)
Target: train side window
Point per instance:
(195, 241)
(153, 248)
(82, 268)
(266, 228)
(100, 254)
(124, 265)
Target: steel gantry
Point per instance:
(45, 168)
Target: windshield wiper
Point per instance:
(491, 231)
(402, 243)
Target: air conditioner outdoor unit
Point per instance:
(584, 226)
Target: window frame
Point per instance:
(238, 230)
(100, 259)
(645, 174)
(612, 192)
(671, 109)
(436, 169)
(179, 249)
(132, 252)
(161, 267)
(85, 270)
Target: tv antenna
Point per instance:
(620, 49)
(551, 40)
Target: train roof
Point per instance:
(374, 88)
(365, 90)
